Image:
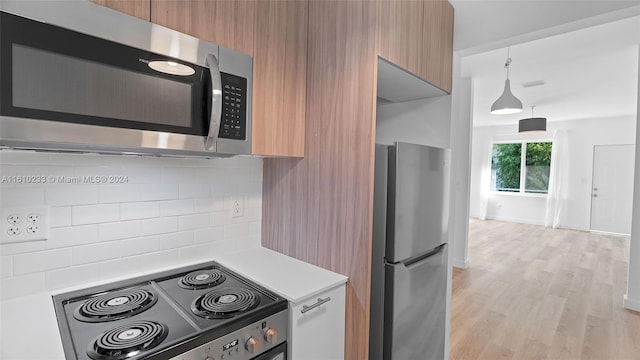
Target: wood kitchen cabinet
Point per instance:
(224, 22)
(137, 8)
(417, 35)
(280, 78)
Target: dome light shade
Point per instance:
(507, 103)
(532, 125)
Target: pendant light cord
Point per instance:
(508, 62)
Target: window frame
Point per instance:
(523, 168)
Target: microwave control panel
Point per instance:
(233, 124)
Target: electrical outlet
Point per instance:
(16, 229)
(236, 207)
(13, 230)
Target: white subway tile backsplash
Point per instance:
(17, 196)
(120, 267)
(220, 218)
(190, 222)
(196, 252)
(71, 194)
(60, 216)
(139, 210)
(151, 192)
(120, 193)
(24, 285)
(161, 225)
(160, 259)
(97, 252)
(93, 214)
(209, 205)
(194, 190)
(176, 207)
(20, 248)
(209, 234)
(119, 230)
(72, 236)
(170, 211)
(41, 261)
(139, 245)
(6, 266)
(175, 240)
(70, 276)
(142, 175)
(178, 175)
(236, 231)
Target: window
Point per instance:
(521, 167)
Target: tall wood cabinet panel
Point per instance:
(137, 8)
(417, 35)
(318, 209)
(279, 69)
(224, 22)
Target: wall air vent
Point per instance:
(533, 83)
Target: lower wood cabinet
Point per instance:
(317, 326)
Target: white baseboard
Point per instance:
(631, 304)
(608, 233)
(515, 220)
(460, 264)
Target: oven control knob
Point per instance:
(271, 336)
(251, 345)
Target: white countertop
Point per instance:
(29, 329)
(290, 278)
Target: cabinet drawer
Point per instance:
(317, 331)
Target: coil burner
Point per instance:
(115, 305)
(224, 303)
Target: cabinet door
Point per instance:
(417, 35)
(280, 74)
(438, 38)
(318, 334)
(400, 33)
(224, 22)
(138, 8)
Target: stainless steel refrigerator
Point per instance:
(409, 253)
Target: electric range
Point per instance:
(199, 312)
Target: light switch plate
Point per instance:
(21, 224)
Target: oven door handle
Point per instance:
(216, 103)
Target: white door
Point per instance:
(612, 192)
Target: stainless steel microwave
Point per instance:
(75, 76)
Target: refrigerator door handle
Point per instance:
(413, 262)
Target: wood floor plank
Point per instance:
(538, 293)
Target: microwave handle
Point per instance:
(216, 103)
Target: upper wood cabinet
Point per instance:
(224, 22)
(417, 35)
(138, 8)
(279, 78)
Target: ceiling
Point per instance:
(588, 73)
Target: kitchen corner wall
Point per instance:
(169, 212)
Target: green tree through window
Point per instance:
(521, 167)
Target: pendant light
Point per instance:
(532, 124)
(507, 103)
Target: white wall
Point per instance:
(632, 298)
(425, 121)
(582, 136)
(171, 212)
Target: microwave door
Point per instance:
(216, 103)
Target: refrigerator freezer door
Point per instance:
(418, 195)
(415, 301)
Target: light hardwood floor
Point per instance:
(532, 292)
